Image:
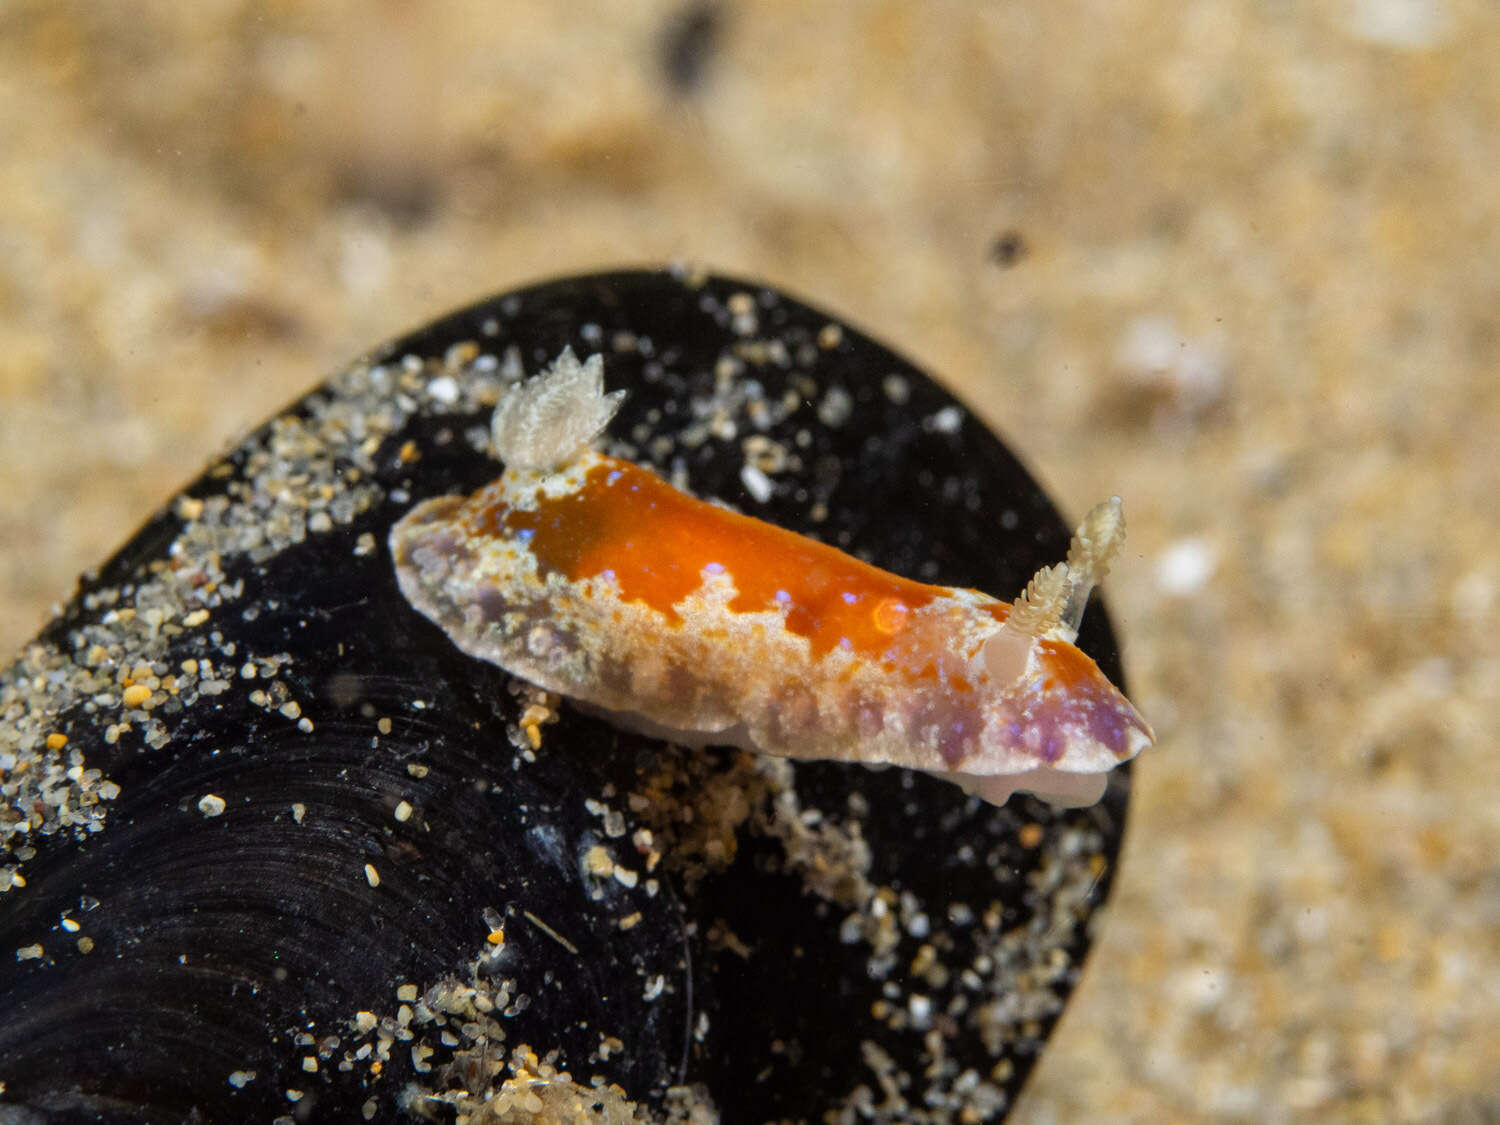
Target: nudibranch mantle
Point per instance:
(592, 577)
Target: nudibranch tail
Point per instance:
(546, 422)
(594, 578)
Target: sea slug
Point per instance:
(594, 578)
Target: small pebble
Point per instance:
(211, 804)
(1185, 567)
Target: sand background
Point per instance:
(1237, 262)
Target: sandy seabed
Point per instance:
(1238, 263)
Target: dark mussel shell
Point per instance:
(274, 847)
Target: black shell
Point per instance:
(864, 941)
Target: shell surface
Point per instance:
(267, 832)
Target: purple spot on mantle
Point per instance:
(1053, 742)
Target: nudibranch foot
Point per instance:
(1064, 790)
(594, 578)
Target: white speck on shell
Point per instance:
(211, 805)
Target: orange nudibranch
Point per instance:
(594, 578)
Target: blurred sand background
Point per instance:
(1237, 262)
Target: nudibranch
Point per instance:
(594, 578)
